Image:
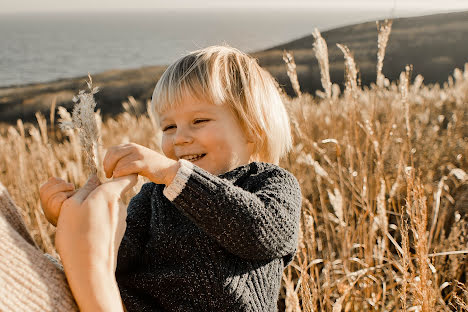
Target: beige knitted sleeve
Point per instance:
(29, 280)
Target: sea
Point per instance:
(42, 47)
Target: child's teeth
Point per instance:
(193, 157)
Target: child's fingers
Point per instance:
(68, 194)
(55, 205)
(59, 187)
(54, 186)
(71, 193)
(128, 164)
(50, 183)
(113, 155)
(133, 167)
(54, 200)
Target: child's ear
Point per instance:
(249, 136)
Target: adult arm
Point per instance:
(89, 230)
(257, 221)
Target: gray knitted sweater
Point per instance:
(210, 243)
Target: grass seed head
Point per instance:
(321, 53)
(83, 120)
(292, 73)
(384, 30)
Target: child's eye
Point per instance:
(196, 121)
(168, 127)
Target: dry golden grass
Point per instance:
(382, 170)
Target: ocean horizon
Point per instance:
(42, 47)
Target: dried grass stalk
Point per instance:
(351, 70)
(384, 30)
(42, 123)
(52, 112)
(404, 90)
(288, 58)
(417, 209)
(292, 299)
(321, 53)
(405, 263)
(84, 121)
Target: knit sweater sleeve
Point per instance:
(136, 233)
(259, 221)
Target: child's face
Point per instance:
(208, 135)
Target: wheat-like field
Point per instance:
(383, 173)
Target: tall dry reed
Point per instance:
(84, 121)
(291, 71)
(321, 53)
(384, 29)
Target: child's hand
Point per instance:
(125, 159)
(53, 193)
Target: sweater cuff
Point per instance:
(172, 190)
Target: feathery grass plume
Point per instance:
(132, 106)
(405, 263)
(66, 118)
(417, 209)
(291, 300)
(417, 83)
(44, 146)
(351, 70)
(404, 90)
(42, 123)
(435, 210)
(461, 302)
(336, 200)
(321, 53)
(288, 58)
(84, 121)
(52, 112)
(384, 30)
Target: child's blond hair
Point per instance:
(225, 75)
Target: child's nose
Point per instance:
(182, 136)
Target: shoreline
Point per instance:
(23, 80)
(433, 44)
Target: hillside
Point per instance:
(434, 44)
(115, 87)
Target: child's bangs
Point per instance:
(182, 80)
(173, 95)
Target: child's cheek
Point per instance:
(167, 148)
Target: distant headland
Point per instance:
(435, 45)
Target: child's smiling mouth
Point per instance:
(193, 157)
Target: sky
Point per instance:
(12, 6)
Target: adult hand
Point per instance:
(89, 231)
(52, 194)
(132, 158)
(93, 219)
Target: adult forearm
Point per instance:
(89, 231)
(94, 289)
